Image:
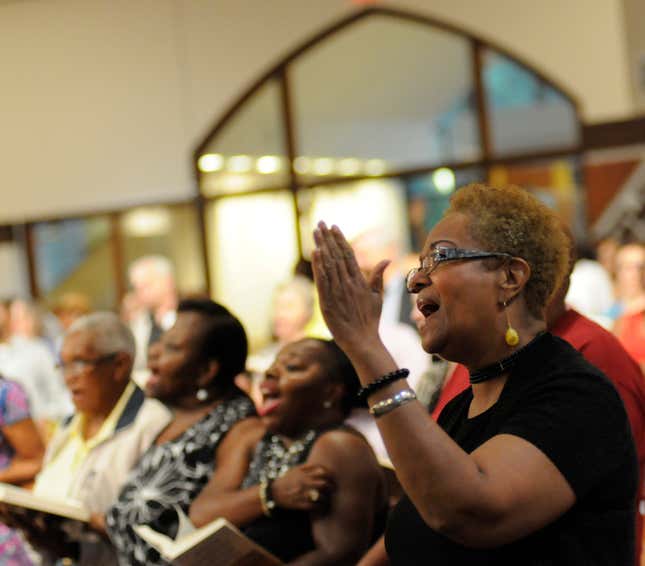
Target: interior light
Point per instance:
(239, 163)
(349, 166)
(235, 183)
(444, 180)
(323, 166)
(302, 165)
(375, 167)
(148, 221)
(210, 162)
(268, 164)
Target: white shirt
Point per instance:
(29, 362)
(141, 327)
(590, 291)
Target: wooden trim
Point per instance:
(31, 260)
(200, 206)
(292, 151)
(107, 212)
(116, 248)
(564, 152)
(483, 120)
(614, 134)
(346, 21)
(6, 233)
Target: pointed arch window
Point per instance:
(373, 123)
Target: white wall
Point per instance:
(102, 101)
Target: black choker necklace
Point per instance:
(498, 368)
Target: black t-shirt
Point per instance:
(569, 410)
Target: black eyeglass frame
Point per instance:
(442, 254)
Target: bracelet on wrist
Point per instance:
(266, 497)
(381, 382)
(386, 405)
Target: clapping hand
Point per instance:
(350, 303)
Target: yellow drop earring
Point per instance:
(511, 337)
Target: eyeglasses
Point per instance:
(78, 366)
(441, 254)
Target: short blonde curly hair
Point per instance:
(511, 220)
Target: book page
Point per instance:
(21, 498)
(218, 544)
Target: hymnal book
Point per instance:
(54, 526)
(218, 543)
(18, 499)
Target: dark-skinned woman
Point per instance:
(298, 482)
(534, 463)
(193, 368)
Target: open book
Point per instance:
(55, 526)
(18, 499)
(217, 544)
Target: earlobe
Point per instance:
(210, 373)
(334, 394)
(515, 276)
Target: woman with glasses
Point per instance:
(534, 463)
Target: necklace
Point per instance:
(498, 368)
(281, 459)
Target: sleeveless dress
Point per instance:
(167, 479)
(287, 533)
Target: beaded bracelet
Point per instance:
(381, 382)
(266, 498)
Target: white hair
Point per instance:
(158, 265)
(303, 287)
(109, 332)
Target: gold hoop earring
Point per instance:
(511, 337)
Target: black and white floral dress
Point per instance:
(167, 479)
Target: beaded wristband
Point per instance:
(266, 499)
(381, 382)
(401, 398)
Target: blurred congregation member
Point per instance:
(91, 453)
(298, 481)
(21, 453)
(5, 318)
(535, 462)
(154, 290)
(291, 311)
(603, 350)
(591, 290)
(192, 371)
(395, 327)
(630, 280)
(28, 359)
(71, 306)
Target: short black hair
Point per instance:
(224, 338)
(340, 369)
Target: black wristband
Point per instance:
(381, 382)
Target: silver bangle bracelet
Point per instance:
(401, 398)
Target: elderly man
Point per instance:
(91, 454)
